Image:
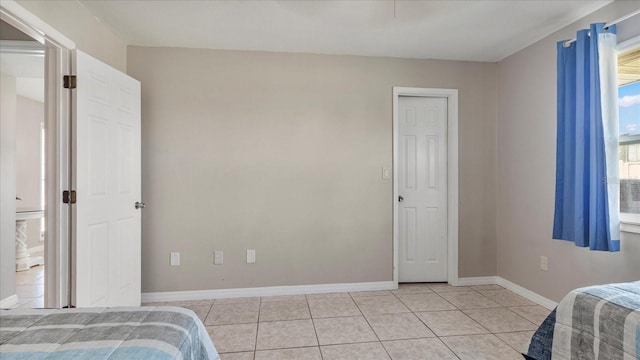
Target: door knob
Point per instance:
(400, 199)
(140, 205)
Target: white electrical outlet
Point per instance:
(175, 259)
(544, 263)
(218, 257)
(251, 256)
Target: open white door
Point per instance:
(107, 180)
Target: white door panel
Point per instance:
(107, 181)
(422, 170)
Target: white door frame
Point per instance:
(57, 121)
(452, 175)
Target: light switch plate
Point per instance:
(386, 173)
(175, 259)
(251, 256)
(218, 257)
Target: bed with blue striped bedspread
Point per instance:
(597, 322)
(104, 333)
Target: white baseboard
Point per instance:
(35, 249)
(481, 280)
(266, 291)
(535, 297)
(526, 293)
(329, 288)
(8, 302)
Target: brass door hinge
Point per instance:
(70, 81)
(69, 197)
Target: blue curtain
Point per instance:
(587, 184)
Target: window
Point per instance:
(629, 122)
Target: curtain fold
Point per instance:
(587, 183)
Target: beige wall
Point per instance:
(283, 153)
(29, 117)
(526, 176)
(77, 23)
(7, 185)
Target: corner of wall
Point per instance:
(525, 178)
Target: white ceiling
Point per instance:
(455, 30)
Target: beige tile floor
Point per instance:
(417, 321)
(30, 288)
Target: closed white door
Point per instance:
(422, 187)
(107, 180)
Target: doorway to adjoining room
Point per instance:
(22, 66)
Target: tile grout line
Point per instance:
(434, 333)
(448, 347)
(370, 327)
(313, 323)
(501, 307)
(458, 309)
(208, 312)
(255, 345)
